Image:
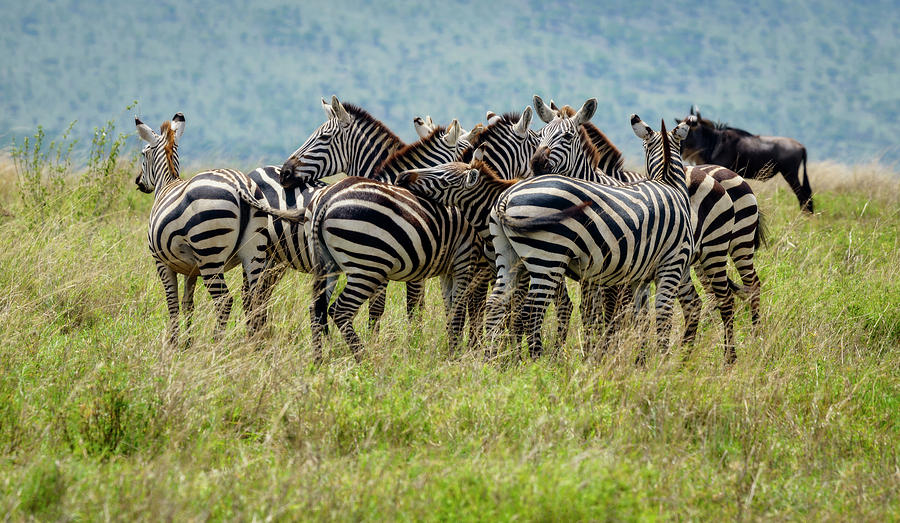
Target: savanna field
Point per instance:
(100, 420)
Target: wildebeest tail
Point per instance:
(540, 221)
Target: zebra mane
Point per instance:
(170, 147)
(595, 136)
(409, 149)
(511, 118)
(361, 114)
(588, 147)
(491, 175)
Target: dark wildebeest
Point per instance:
(750, 155)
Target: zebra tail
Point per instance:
(761, 236)
(540, 221)
(294, 215)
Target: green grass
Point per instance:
(99, 420)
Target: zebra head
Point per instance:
(662, 150)
(325, 152)
(561, 147)
(463, 139)
(159, 158)
(454, 183)
(506, 143)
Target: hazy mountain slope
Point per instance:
(249, 78)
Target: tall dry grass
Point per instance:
(98, 419)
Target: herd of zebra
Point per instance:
(500, 205)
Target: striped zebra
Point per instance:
(354, 142)
(565, 148)
(202, 227)
(748, 231)
(552, 226)
(373, 232)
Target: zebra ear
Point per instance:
(641, 130)
(680, 131)
(144, 131)
(471, 178)
(422, 127)
(452, 134)
(544, 113)
(329, 112)
(492, 117)
(553, 105)
(178, 126)
(586, 112)
(471, 135)
(521, 127)
(342, 115)
(478, 154)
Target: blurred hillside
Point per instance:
(249, 77)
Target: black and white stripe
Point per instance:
(552, 226)
(374, 232)
(202, 227)
(747, 233)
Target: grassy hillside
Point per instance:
(249, 76)
(99, 420)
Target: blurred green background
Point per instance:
(248, 76)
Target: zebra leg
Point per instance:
(751, 284)
(721, 288)
(415, 296)
(668, 281)
(690, 308)
(517, 316)
(267, 282)
(187, 306)
(563, 312)
(215, 285)
(170, 284)
(475, 304)
(589, 290)
(358, 289)
(376, 307)
(543, 288)
(318, 313)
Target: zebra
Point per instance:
(748, 230)
(551, 226)
(373, 232)
(354, 142)
(202, 227)
(562, 150)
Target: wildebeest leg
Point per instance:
(801, 188)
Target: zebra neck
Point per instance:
(166, 182)
(674, 175)
(372, 147)
(478, 213)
